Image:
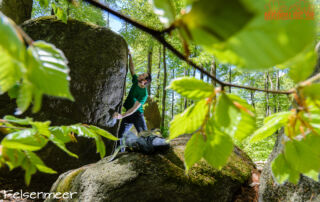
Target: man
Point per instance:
(134, 103)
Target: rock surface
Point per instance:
(159, 177)
(269, 191)
(18, 10)
(97, 60)
(152, 114)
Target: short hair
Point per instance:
(148, 78)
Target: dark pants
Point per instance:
(135, 119)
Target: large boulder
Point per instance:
(97, 60)
(159, 177)
(269, 191)
(18, 10)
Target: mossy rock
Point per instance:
(159, 177)
(98, 60)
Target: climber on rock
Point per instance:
(134, 103)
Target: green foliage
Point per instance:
(194, 150)
(31, 72)
(25, 136)
(189, 121)
(191, 88)
(165, 10)
(271, 125)
(245, 36)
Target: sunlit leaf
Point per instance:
(49, 67)
(263, 43)
(35, 160)
(192, 88)
(27, 139)
(103, 133)
(194, 150)
(189, 121)
(282, 171)
(218, 147)
(58, 142)
(270, 126)
(165, 10)
(12, 119)
(312, 91)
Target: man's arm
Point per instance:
(131, 67)
(133, 109)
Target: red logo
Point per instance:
(285, 10)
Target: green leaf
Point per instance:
(189, 121)
(271, 125)
(218, 148)
(242, 116)
(101, 148)
(103, 133)
(312, 91)
(15, 157)
(27, 139)
(61, 133)
(82, 131)
(227, 115)
(60, 143)
(264, 43)
(37, 100)
(194, 150)
(12, 119)
(192, 88)
(24, 98)
(14, 91)
(282, 171)
(60, 13)
(30, 170)
(313, 175)
(165, 10)
(35, 160)
(12, 54)
(301, 157)
(50, 66)
(206, 24)
(302, 66)
(42, 127)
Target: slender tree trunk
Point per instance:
(201, 75)
(108, 20)
(164, 88)
(278, 107)
(158, 77)
(186, 73)
(18, 10)
(266, 87)
(252, 92)
(213, 71)
(150, 51)
(172, 99)
(230, 78)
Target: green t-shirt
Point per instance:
(136, 94)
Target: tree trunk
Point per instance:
(158, 78)
(172, 99)
(266, 87)
(230, 78)
(18, 10)
(186, 73)
(252, 92)
(108, 20)
(164, 88)
(278, 108)
(201, 75)
(150, 51)
(213, 72)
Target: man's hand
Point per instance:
(116, 115)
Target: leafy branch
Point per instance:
(159, 36)
(18, 146)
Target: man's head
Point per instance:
(144, 78)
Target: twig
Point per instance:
(159, 36)
(309, 81)
(16, 128)
(25, 36)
